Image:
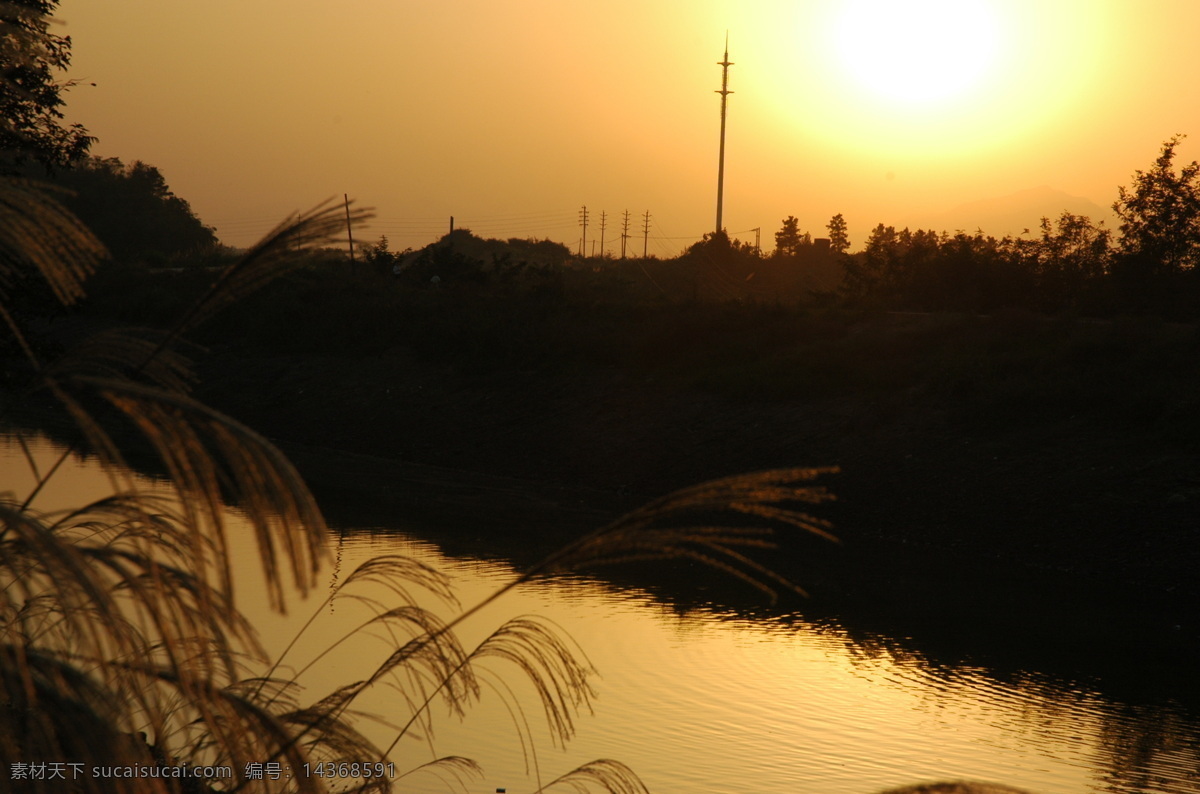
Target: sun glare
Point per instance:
(917, 52)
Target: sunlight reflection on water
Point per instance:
(707, 702)
(701, 702)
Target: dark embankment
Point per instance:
(1014, 489)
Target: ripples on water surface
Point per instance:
(705, 702)
(702, 702)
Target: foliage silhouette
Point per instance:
(130, 208)
(120, 641)
(380, 258)
(789, 239)
(839, 240)
(1073, 265)
(1154, 265)
(1160, 215)
(1069, 261)
(30, 94)
(923, 270)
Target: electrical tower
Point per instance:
(724, 92)
(645, 232)
(583, 215)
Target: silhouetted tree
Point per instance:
(867, 270)
(130, 208)
(381, 258)
(973, 273)
(539, 252)
(839, 240)
(713, 247)
(30, 96)
(889, 263)
(717, 267)
(1160, 216)
(1070, 260)
(789, 238)
(927, 271)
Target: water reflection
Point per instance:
(701, 699)
(704, 700)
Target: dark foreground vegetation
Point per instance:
(1014, 419)
(126, 665)
(1004, 475)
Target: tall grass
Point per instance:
(121, 644)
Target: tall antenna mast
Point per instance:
(724, 92)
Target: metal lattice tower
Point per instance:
(724, 92)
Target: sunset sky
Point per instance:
(512, 115)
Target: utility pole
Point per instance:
(624, 233)
(603, 220)
(757, 248)
(349, 230)
(645, 232)
(583, 222)
(724, 92)
(452, 224)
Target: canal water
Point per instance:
(707, 699)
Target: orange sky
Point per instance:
(512, 114)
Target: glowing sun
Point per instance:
(917, 51)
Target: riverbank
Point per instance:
(999, 476)
(1001, 529)
(965, 457)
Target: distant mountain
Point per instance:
(1018, 211)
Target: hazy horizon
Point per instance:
(512, 116)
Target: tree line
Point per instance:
(1069, 264)
(129, 207)
(1149, 264)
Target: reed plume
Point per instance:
(121, 643)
